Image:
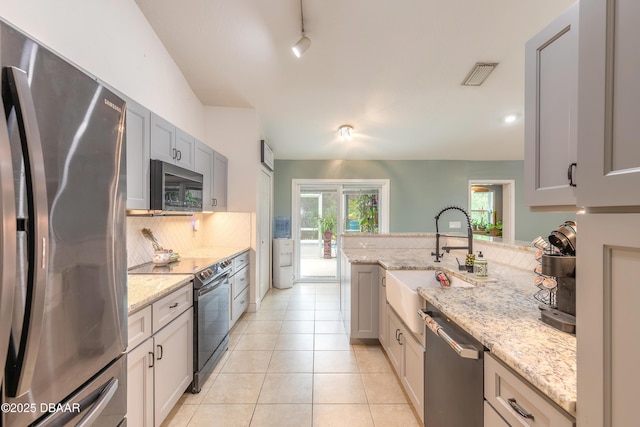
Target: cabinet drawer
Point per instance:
(240, 261)
(239, 305)
(139, 327)
(171, 306)
(239, 282)
(518, 402)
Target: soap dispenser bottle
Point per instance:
(480, 266)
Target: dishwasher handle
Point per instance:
(463, 350)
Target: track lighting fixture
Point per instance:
(303, 44)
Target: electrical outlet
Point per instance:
(455, 224)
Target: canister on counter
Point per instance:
(480, 266)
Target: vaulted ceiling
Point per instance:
(390, 68)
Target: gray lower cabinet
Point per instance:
(517, 402)
(159, 360)
(492, 418)
(138, 140)
(359, 300)
(406, 354)
(382, 307)
(239, 281)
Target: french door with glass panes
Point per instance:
(322, 211)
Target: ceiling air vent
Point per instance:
(479, 73)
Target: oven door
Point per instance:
(211, 327)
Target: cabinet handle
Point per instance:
(175, 154)
(400, 339)
(519, 409)
(174, 305)
(397, 332)
(215, 202)
(384, 282)
(161, 352)
(179, 155)
(153, 359)
(570, 174)
(212, 202)
(242, 302)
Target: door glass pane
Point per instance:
(361, 210)
(318, 233)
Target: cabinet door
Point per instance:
(364, 301)
(204, 165)
(140, 385)
(163, 139)
(138, 141)
(492, 418)
(608, 318)
(395, 341)
(174, 363)
(608, 127)
(185, 146)
(551, 81)
(220, 173)
(382, 306)
(413, 375)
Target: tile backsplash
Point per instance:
(177, 233)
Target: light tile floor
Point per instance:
(291, 364)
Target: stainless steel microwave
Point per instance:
(174, 188)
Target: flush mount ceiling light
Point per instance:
(345, 132)
(510, 118)
(303, 44)
(479, 73)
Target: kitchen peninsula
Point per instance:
(500, 312)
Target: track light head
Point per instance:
(300, 47)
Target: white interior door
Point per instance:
(264, 233)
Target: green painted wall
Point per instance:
(418, 189)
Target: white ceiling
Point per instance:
(390, 68)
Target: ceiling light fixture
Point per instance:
(510, 118)
(345, 132)
(303, 44)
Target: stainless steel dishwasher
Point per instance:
(453, 373)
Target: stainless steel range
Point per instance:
(210, 310)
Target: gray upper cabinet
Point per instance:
(551, 102)
(137, 125)
(220, 173)
(163, 139)
(204, 166)
(171, 144)
(608, 126)
(185, 150)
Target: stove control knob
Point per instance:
(209, 272)
(202, 275)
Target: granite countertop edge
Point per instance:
(145, 289)
(503, 332)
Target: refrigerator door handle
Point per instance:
(100, 404)
(23, 366)
(8, 237)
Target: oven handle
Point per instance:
(213, 285)
(463, 350)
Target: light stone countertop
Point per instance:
(144, 289)
(501, 313)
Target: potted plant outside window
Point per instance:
(327, 225)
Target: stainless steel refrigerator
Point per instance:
(63, 295)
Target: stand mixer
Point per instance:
(559, 262)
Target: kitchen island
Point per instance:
(501, 313)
